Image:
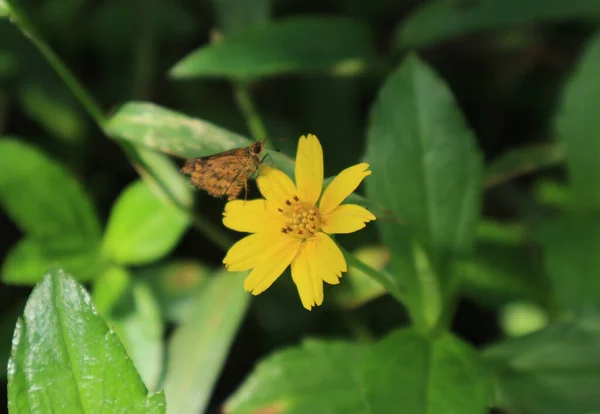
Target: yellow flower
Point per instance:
(289, 227)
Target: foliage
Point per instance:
(480, 122)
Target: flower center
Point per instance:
(302, 219)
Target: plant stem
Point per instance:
(92, 107)
(253, 120)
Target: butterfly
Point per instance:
(225, 173)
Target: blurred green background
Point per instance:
(506, 79)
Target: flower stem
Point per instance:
(253, 120)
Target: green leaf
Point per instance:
(175, 285)
(571, 247)
(522, 161)
(295, 45)
(403, 370)
(65, 356)
(440, 20)
(141, 228)
(44, 199)
(153, 127)
(199, 346)
(233, 16)
(426, 166)
(578, 129)
(553, 371)
(427, 172)
(29, 259)
(497, 274)
(130, 308)
(4, 11)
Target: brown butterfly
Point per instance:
(225, 173)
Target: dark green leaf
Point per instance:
(175, 285)
(553, 371)
(200, 344)
(578, 128)
(234, 16)
(130, 308)
(426, 166)
(142, 228)
(30, 259)
(64, 356)
(42, 197)
(427, 172)
(571, 253)
(403, 370)
(522, 161)
(297, 45)
(440, 20)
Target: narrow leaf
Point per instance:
(403, 370)
(142, 228)
(44, 199)
(440, 20)
(130, 308)
(201, 343)
(578, 128)
(65, 356)
(161, 129)
(297, 45)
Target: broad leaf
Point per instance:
(130, 308)
(200, 345)
(65, 356)
(578, 128)
(440, 20)
(427, 171)
(296, 45)
(4, 11)
(426, 166)
(142, 228)
(403, 370)
(553, 371)
(7, 327)
(522, 161)
(234, 16)
(571, 253)
(30, 259)
(44, 199)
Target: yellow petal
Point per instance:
(342, 186)
(252, 217)
(346, 218)
(329, 259)
(308, 283)
(309, 169)
(275, 186)
(247, 253)
(272, 263)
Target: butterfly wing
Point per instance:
(219, 175)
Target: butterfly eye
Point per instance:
(256, 149)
